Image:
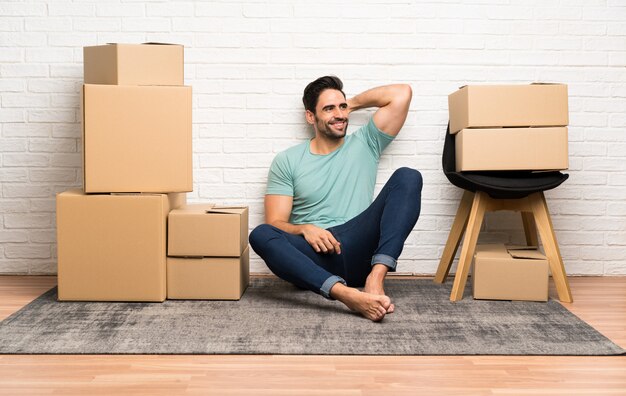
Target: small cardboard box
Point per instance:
(511, 149)
(208, 278)
(137, 139)
(510, 273)
(488, 106)
(207, 230)
(112, 247)
(134, 64)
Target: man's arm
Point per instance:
(277, 211)
(393, 103)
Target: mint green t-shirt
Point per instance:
(331, 189)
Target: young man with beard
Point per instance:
(322, 231)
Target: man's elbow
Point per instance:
(403, 96)
(406, 92)
(273, 221)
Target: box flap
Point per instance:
(227, 209)
(521, 247)
(546, 83)
(156, 43)
(531, 254)
(192, 209)
(198, 209)
(148, 43)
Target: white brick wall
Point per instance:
(248, 62)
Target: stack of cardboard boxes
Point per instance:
(208, 254)
(137, 158)
(509, 128)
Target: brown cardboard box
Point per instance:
(134, 64)
(511, 149)
(177, 200)
(206, 230)
(208, 278)
(137, 139)
(112, 247)
(486, 106)
(510, 273)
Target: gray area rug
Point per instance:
(274, 317)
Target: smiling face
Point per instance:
(331, 115)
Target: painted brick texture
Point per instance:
(248, 62)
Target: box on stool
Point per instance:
(510, 273)
(522, 105)
(511, 149)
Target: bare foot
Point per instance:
(374, 285)
(372, 306)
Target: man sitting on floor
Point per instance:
(322, 231)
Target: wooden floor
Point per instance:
(599, 301)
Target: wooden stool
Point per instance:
(468, 220)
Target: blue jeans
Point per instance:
(375, 236)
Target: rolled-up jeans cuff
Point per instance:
(328, 284)
(385, 260)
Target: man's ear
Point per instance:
(310, 117)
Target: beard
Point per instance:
(333, 129)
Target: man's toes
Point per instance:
(373, 315)
(380, 312)
(391, 308)
(378, 316)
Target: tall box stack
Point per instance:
(112, 235)
(208, 253)
(510, 127)
(136, 119)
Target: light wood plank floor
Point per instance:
(599, 301)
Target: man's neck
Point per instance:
(321, 145)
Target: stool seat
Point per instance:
(507, 184)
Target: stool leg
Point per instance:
(546, 232)
(530, 229)
(454, 238)
(477, 213)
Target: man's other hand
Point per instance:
(320, 239)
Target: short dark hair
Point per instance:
(314, 89)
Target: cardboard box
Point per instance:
(137, 139)
(208, 278)
(511, 149)
(134, 64)
(510, 273)
(487, 106)
(111, 247)
(178, 200)
(206, 230)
